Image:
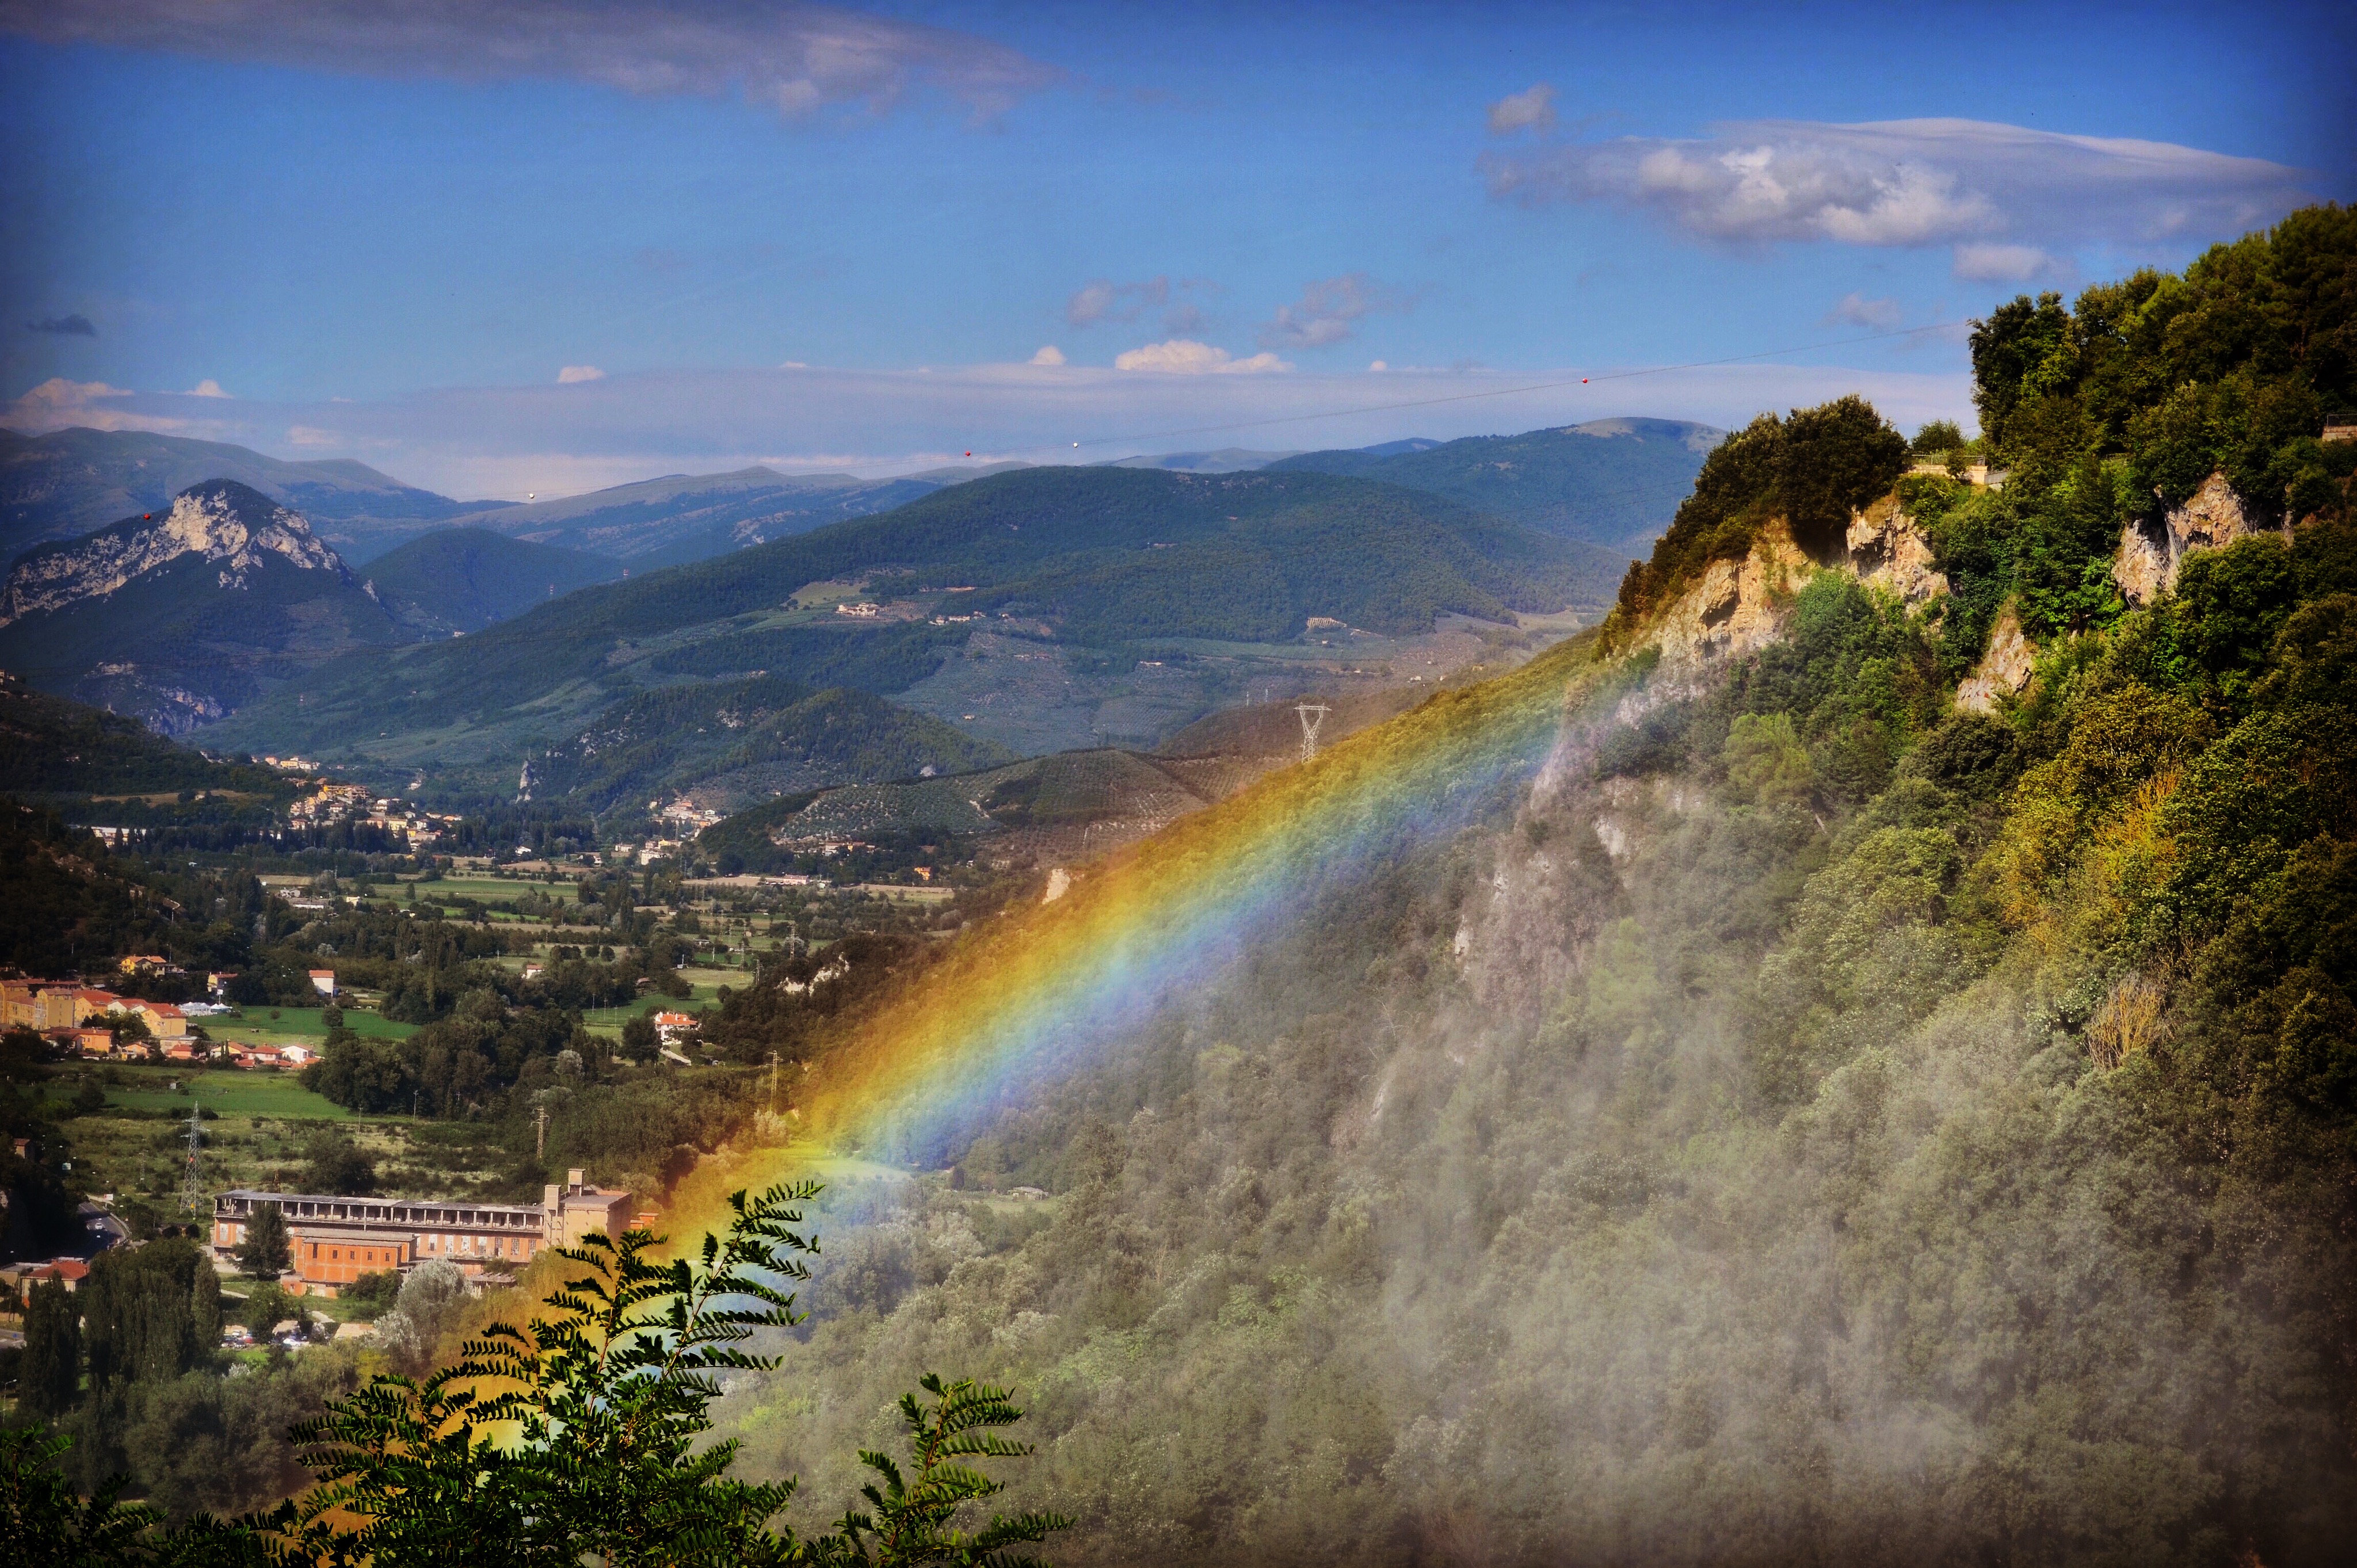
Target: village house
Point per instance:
(335, 1240)
(296, 1056)
(146, 963)
(673, 1027)
(165, 1022)
(323, 981)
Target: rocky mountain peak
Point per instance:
(230, 527)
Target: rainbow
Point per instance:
(1046, 989)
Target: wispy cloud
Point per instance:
(75, 326)
(1184, 356)
(1328, 311)
(1049, 354)
(1532, 109)
(1102, 300)
(206, 388)
(569, 374)
(2004, 264)
(1909, 183)
(798, 60)
(502, 441)
(1854, 309)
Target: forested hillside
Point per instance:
(1097, 556)
(1612, 481)
(1771, 1115)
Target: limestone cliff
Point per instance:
(1738, 607)
(225, 525)
(2149, 555)
(2003, 670)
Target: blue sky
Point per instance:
(823, 237)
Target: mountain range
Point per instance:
(69, 482)
(1610, 481)
(1046, 575)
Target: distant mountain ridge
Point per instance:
(679, 518)
(1095, 558)
(67, 483)
(1614, 482)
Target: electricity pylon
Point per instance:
(1312, 715)
(192, 1190)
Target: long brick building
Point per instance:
(335, 1240)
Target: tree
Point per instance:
(265, 1253)
(204, 1304)
(1938, 435)
(337, 1165)
(136, 1311)
(50, 1377)
(638, 1041)
(266, 1306)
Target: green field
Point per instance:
(231, 1092)
(298, 1025)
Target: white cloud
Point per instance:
(1328, 311)
(58, 404)
(1532, 109)
(1377, 365)
(571, 373)
(2004, 264)
(1854, 309)
(1049, 354)
(206, 388)
(798, 60)
(1909, 183)
(312, 435)
(1184, 356)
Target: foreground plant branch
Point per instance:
(576, 1439)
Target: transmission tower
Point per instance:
(192, 1191)
(1312, 715)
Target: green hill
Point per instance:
(1095, 556)
(63, 753)
(679, 518)
(464, 579)
(731, 743)
(1610, 481)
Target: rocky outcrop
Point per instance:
(1737, 608)
(2003, 670)
(1889, 550)
(2150, 554)
(229, 527)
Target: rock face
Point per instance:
(1737, 608)
(181, 617)
(2003, 670)
(226, 525)
(2149, 555)
(1887, 550)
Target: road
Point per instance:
(100, 1230)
